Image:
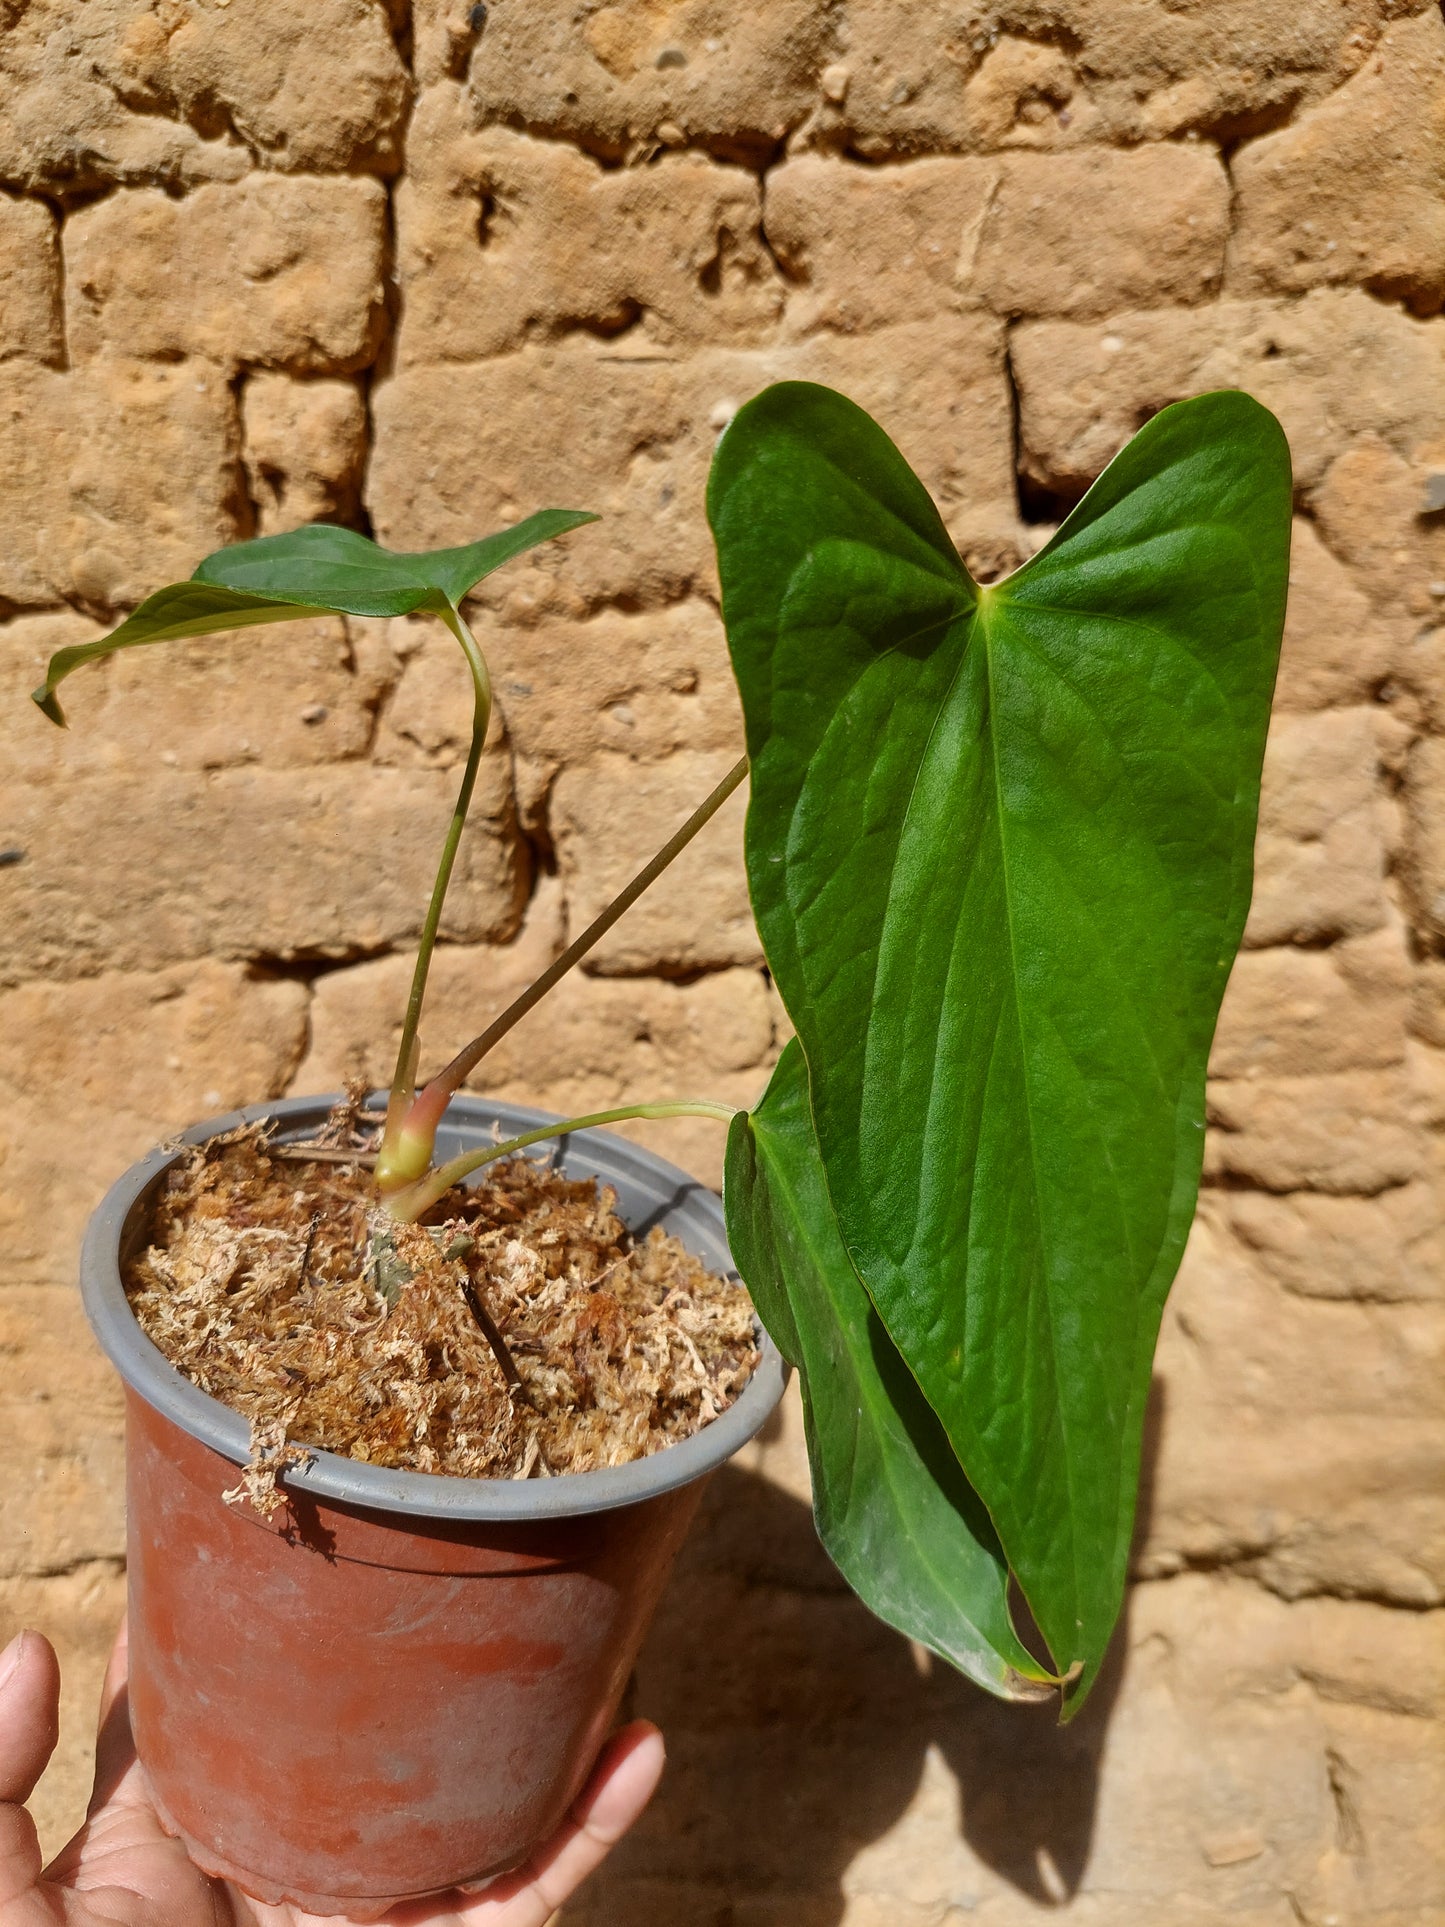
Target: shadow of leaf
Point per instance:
(799, 1729)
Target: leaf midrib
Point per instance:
(1169, 640)
(991, 732)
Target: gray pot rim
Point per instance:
(695, 1215)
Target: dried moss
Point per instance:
(278, 1288)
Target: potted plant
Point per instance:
(999, 847)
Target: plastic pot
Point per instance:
(398, 1683)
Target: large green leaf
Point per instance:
(318, 569)
(893, 1508)
(1000, 852)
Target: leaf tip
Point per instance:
(1027, 1687)
(45, 698)
(1074, 1688)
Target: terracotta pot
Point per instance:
(398, 1683)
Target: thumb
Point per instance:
(29, 1725)
(29, 1713)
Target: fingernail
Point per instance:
(10, 1659)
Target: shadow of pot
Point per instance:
(398, 1684)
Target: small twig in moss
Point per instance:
(305, 1265)
(492, 1333)
(322, 1154)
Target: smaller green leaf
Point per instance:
(893, 1508)
(310, 571)
(341, 570)
(184, 609)
(455, 571)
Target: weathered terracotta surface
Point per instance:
(343, 1710)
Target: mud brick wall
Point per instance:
(423, 268)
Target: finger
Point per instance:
(623, 1781)
(114, 1747)
(29, 1726)
(29, 1713)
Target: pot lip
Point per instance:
(424, 1495)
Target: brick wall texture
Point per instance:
(423, 268)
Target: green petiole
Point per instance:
(411, 1132)
(402, 1156)
(408, 1204)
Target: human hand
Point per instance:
(123, 1870)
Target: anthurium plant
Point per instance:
(999, 847)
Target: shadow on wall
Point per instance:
(798, 1728)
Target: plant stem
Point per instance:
(404, 1075)
(408, 1205)
(421, 1120)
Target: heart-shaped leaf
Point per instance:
(893, 1508)
(310, 571)
(1000, 853)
